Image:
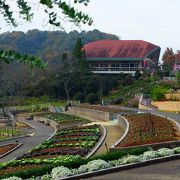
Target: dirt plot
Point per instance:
(148, 129)
(6, 148)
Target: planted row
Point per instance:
(65, 118)
(99, 164)
(148, 129)
(36, 167)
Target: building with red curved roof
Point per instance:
(117, 56)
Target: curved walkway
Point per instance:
(114, 133)
(161, 171)
(41, 133)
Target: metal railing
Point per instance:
(114, 68)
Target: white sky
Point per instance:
(156, 21)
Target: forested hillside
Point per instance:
(49, 45)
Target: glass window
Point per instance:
(135, 65)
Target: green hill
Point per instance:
(128, 92)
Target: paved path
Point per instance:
(42, 132)
(162, 171)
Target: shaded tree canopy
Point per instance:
(51, 7)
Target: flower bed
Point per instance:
(6, 148)
(70, 141)
(99, 164)
(65, 118)
(73, 142)
(26, 168)
(148, 129)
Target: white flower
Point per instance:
(61, 171)
(176, 150)
(150, 155)
(93, 166)
(132, 159)
(116, 162)
(46, 177)
(83, 169)
(165, 152)
(13, 178)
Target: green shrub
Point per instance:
(92, 98)
(79, 96)
(158, 93)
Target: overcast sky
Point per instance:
(156, 21)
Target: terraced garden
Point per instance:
(73, 141)
(68, 144)
(148, 129)
(65, 118)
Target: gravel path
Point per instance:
(41, 132)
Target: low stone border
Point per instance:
(125, 124)
(122, 167)
(99, 143)
(170, 144)
(11, 150)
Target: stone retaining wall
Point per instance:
(123, 122)
(171, 144)
(101, 115)
(55, 125)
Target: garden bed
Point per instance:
(73, 141)
(148, 129)
(102, 164)
(5, 149)
(65, 119)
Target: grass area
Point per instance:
(128, 92)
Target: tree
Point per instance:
(52, 7)
(92, 98)
(158, 93)
(168, 59)
(77, 52)
(137, 74)
(67, 75)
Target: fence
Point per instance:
(7, 132)
(30, 107)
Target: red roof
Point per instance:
(118, 49)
